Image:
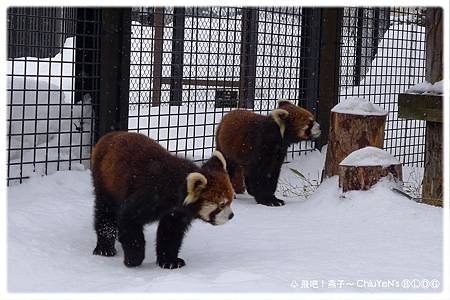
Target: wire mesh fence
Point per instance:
(382, 54)
(50, 118)
(188, 67)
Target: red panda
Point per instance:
(136, 182)
(255, 146)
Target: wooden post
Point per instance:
(249, 44)
(309, 58)
(176, 73)
(432, 185)
(157, 55)
(114, 70)
(329, 62)
(435, 41)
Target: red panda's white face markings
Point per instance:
(301, 123)
(215, 200)
(280, 116)
(315, 130)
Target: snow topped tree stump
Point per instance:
(354, 124)
(363, 168)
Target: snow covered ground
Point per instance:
(323, 239)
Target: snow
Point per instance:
(370, 235)
(369, 156)
(45, 123)
(427, 88)
(59, 70)
(318, 235)
(359, 106)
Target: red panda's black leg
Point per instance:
(171, 230)
(261, 184)
(131, 237)
(137, 210)
(130, 223)
(105, 224)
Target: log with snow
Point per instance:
(363, 168)
(359, 106)
(355, 123)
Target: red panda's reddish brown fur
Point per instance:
(255, 146)
(136, 181)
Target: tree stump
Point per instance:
(355, 123)
(363, 168)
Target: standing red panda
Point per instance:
(255, 146)
(136, 182)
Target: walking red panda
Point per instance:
(136, 182)
(255, 146)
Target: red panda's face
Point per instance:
(215, 200)
(212, 191)
(300, 124)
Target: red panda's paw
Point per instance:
(104, 251)
(272, 201)
(133, 256)
(239, 190)
(176, 264)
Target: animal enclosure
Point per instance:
(74, 74)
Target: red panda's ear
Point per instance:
(216, 162)
(282, 102)
(221, 158)
(196, 183)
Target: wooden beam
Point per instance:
(420, 107)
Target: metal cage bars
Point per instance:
(172, 73)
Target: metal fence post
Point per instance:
(176, 85)
(249, 47)
(329, 69)
(114, 70)
(309, 58)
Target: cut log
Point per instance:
(354, 124)
(363, 168)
